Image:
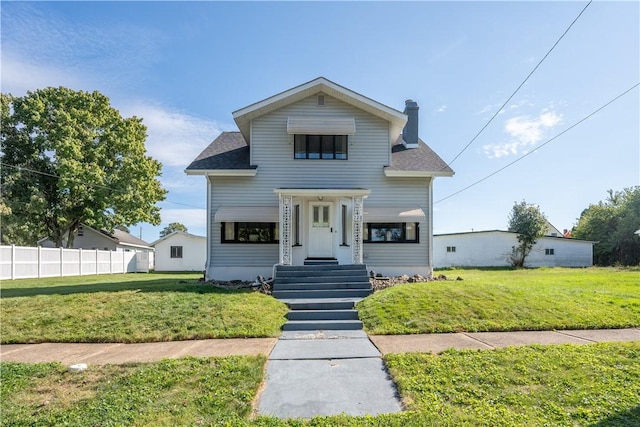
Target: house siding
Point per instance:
(272, 152)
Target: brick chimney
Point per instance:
(410, 131)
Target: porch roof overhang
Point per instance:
(324, 192)
(393, 214)
(247, 214)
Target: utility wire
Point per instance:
(541, 145)
(519, 87)
(21, 168)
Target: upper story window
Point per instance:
(320, 147)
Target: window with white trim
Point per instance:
(451, 249)
(176, 251)
(549, 251)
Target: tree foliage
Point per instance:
(612, 225)
(174, 226)
(68, 157)
(530, 224)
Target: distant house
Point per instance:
(180, 251)
(319, 173)
(493, 248)
(89, 238)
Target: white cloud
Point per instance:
(441, 109)
(174, 138)
(524, 132)
(192, 218)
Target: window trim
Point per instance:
(175, 252)
(273, 226)
(370, 225)
(320, 152)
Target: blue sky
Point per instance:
(185, 66)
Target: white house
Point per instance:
(180, 251)
(117, 240)
(493, 248)
(319, 172)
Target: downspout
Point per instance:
(430, 248)
(208, 249)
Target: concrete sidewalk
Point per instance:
(99, 354)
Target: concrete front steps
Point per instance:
(321, 297)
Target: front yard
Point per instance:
(590, 385)
(595, 385)
(508, 300)
(133, 308)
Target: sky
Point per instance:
(185, 66)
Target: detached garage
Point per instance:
(180, 251)
(493, 248)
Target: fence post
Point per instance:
(110, 262)
(13, 262)
(96, 251)
(80, 261)
(39, 262)
(61, 261)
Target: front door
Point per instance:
(320, 230)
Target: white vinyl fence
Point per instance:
(20, 262)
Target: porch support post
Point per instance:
(357, 229)
(286, 202)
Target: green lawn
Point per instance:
(132, 308)
(590, 385)
(508, 300)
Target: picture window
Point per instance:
(391, 232)
(326, 147)
(250, 232)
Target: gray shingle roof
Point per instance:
(228, 151)
(422, 158)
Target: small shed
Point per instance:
(180, 251)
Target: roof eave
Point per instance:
(222, 172)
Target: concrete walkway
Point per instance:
(99, 354)
(321, 373)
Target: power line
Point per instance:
(115, 190)
(519, 87)
(541, 145)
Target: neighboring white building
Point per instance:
(89, 238)
(493, 248)
(180, 251)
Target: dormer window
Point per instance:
(320, 147)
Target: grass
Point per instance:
(190, 391)
(508, 300)
(590, 385)
(132, 308)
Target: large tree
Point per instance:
(530, 223)
(612, 224)
(69, 157)
(174, 226)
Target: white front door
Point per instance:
(320, 230)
